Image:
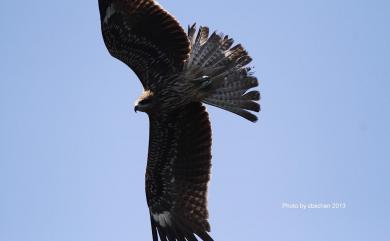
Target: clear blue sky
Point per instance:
(73, 153)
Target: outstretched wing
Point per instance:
(145, 37)
(177, 174)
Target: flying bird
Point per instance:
(180, 72)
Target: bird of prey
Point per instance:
(179, 72)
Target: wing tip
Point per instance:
(177, 231)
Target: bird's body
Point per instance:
(178, 71)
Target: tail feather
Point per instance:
(243, 104)
(232, 56)
(231, 80)
(252, 95)
(238, 82)
(221, 44)
(191, 33)
(197, 43)
(208, 49)
(236, 110)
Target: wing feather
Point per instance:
(178, 172)
(145, 37)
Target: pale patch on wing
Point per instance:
(109, 12)
(163, 219)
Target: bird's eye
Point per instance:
(145, 101)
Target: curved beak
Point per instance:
(142, 107)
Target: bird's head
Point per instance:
(145, 102)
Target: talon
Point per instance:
(205, 84)
(204, 81)
(202, 78)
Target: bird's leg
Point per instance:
(204, 81)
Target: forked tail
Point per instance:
(229, 79)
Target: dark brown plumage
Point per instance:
(145, 37)
(179, 71)
(178, 170)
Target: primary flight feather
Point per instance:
(179, 71)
